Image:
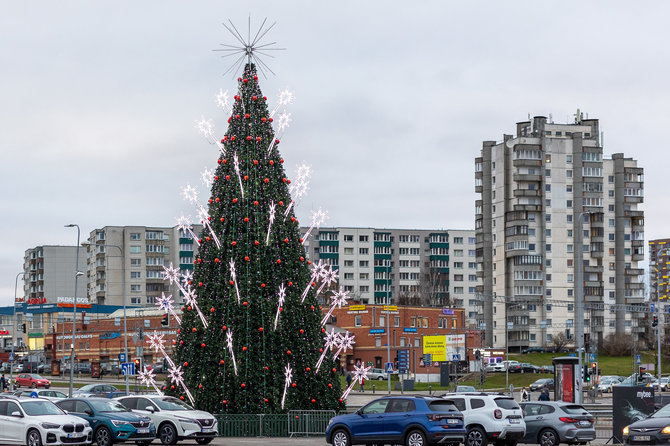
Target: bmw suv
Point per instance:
(489, 418)
(411, 420)
(36, 421)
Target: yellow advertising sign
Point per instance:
(436, 346)
(356, 307)
(390, 308)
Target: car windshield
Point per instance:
(662, 412)
(34, 376)
(58, 394)
(87, 387)
(506, 403)
(169, 403)
(107, 406)
(36, 408)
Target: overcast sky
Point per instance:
(393, 100)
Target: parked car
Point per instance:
(549, 423)
(44, 368)
(541, 383)
(524, 367)
(653, 430)
(547, 369)
(102, 390)
(533, 350)
(664, 383)
(489, 418)
(173, 418)
(411, 420)
(32, 380)
(51, 395)
(495, 367)
(111, 421)
(379, 374)
(37, 421)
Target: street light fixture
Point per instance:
(74, 307)
(579, 305)
(123, 285)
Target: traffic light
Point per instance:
(165, 319)
(655, 321)
(587, 376)
(23, 328)
(137, 364)
(594, 370)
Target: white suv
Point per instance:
(174, 419)
(37, 421)
(489, 418)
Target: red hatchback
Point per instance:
(32, 380)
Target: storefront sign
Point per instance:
(377, 330)
(37, 301)
(447, 311)
(67, 302)
(409, 330)
(435, 346)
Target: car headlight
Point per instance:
(50, 425)
(625, 430)
(666, 430)
(118, 423)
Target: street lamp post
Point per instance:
(388, 329)
(123, 285)
(579, 305)
(74, 307)
(11, 363)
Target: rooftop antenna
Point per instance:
(249, 50)
(551, 118)
(578, 117)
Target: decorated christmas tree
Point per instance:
(252, 337)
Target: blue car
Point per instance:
(409, 420)
(111, 421)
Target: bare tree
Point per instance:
(559, 341)
(433, 286)
(618, 344)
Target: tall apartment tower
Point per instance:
(659, 271)
(533, 188)
(406, 266)
(135, 256)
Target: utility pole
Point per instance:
(579, 304)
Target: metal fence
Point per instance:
(295, 423)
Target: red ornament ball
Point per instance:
(224, 161)
(232, 138)
(222, 219)
(266, 180)
(212, 310)
(266, 400)
(313, 401)
(330, 385)
(227, 177)
(226, 401)
(334, 369)
(267, 368)
(172, 387)
(262, 285)
(234, 243)
(286, 240)
(263, 119)
(257, 243)
(245, 303)
(294, 385)
(209, 201)
(243, 385)
(189, 308)
(246, 115)
(234, 200)
(199, 386)
(203, 345)
(253, 98)
(217, 199)
(290, 284)
(244, 349)
(194, 329)
(255, 203)
(246, 177)
(246, 258)
(278, 261)
(302, 331)
(258, 138)
(248, 138)
(302, 259)
(237, 116)
(225, 327)
(246, 219)
(260, 329)
(308, 369)
(181, 342)
(245, 80)
(288, 352)
(231, 282)
(199, 283)
(255, 78)
(256, 162)
(216, 260)
(222, 362)
(181, 397)
(186, 364)
(216, 177)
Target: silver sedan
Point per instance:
(549, 423)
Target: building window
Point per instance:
(135, 262)
(349, 263)
(378, 341)
(547, 218)
(135, 288)
(363, 238)
(568, 158)
(135, 249)
(348, 276)
(349, 251)
(568, 173)
(135, 274)
(412, 321)
(458, 240)
(135, 236)
(364, 264)
(363, 251)
(358, 320)
(382, 321)
(348, 238)
(396, 321)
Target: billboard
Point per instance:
(630, 404)
(436, 346)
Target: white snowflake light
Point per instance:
(190, 193)
(177, 376)
(233, 277)
(207, 177)
(343, 343)
(205, 128)
(283, 121)
(338, 300)
(148, 378)
(328, 277)
(288, 377)
(331, 338)
(171, 273)
(236, 164)
(229, 342)
(203, 215)
(360, 374)
(318, 218)
(286, 97)
(222, 100)
(157, 341)
(272, 219)
(317, 270)
(280, 302)
(185, 225)
(165, 303)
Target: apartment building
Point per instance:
(539, 190)
(659, 271)
(134, 256)
(48, 280)
(401, 266)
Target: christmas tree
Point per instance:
(252, 332)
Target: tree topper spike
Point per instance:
(251, 50)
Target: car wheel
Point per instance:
(548, 437)
(204, 440)
(476, 437)
(167, 433)
(33, 438)
(416, 438)
(103, 436)
(341, 438)
(381, 378)
(33, 385)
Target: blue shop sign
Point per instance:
(377, 330)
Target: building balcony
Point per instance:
(634, 271)
(638, 329)
(634, 286)
(637, 243)
(596, 254)
(526, 162)
(526, 193)
(593, 299)
(479, 189)
(633, 199)
(595, 283)
(637, 257)
(527, 177)
(519, 342)
(528, 207)
(633, 214)
(480, 274)
(593, 269)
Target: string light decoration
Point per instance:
(148, 378)
(243, 346)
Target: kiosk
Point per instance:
(566, 374)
